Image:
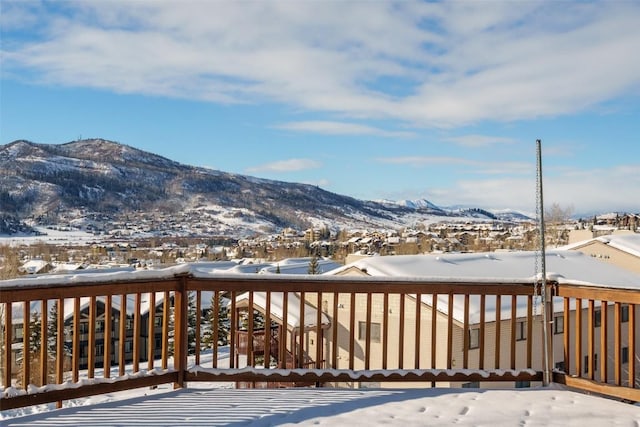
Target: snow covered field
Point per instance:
(198, 406)
(50, 237)
(209, 404)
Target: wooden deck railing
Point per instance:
(600, 340)
(379, 331)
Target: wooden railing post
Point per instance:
(180, 335)
(8, 338)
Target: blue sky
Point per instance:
(376, 100)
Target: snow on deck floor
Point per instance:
(552, 406)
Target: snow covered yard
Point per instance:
(199, 406)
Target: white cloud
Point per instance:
(290, 165)
(458, 62)
(342, 128)
(419, 161)
(471, 166)
(475, 141)
(586, 190)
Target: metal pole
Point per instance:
(543, 278)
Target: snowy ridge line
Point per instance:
(9, 392)
(364, 374)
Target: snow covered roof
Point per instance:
(34, 266)
(568, 267)
(293, 308)
(324, 265)
(629, 243)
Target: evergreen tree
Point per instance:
(314, 268)
(52, 331)
(35, 333)
(223, 322)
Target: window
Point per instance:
(474, 384)
(474, 338)
(99, 349)
(128, 346)
(597, 318)
(625, 355)
(521, 331)
(624, 313)
(99, 325)
(18, 333)
(157, 321)
(84, 327)
(595, 363)
(558, 325)
(523, 384)
(375, 331)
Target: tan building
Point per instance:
(479, 268)
(621, 249)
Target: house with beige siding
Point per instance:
(489, 319)
(621, 249)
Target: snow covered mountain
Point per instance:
(45, 183)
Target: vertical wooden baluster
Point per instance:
(450, 330)
(166, 314)
(136, 332)
(567, 336)
(529, 331)
(617, 336)
(151, 339)
(215, 325)
(514, 314)
(91, 346)
(232, 331)
(197, 326)
(267, 330)
(301, 331)
(60, 354)
(367, 338)
(8, 338)
(334, 332)
(603, 342)
(319, 331)
(44, 344)
(590, 339)
(26, 344)
(482, 330)
(498, 334)
(352, 329)
(401, 333)
(385, 329)
(76, 340)
(284, 331)
(578, 337)
(632, 346)
(122, 335)
(417, 341)
(465, 356)
(250, 356)
(108, 324)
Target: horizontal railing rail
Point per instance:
(182, 328)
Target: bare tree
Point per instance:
(556, 219)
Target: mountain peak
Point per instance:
(101, 150)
